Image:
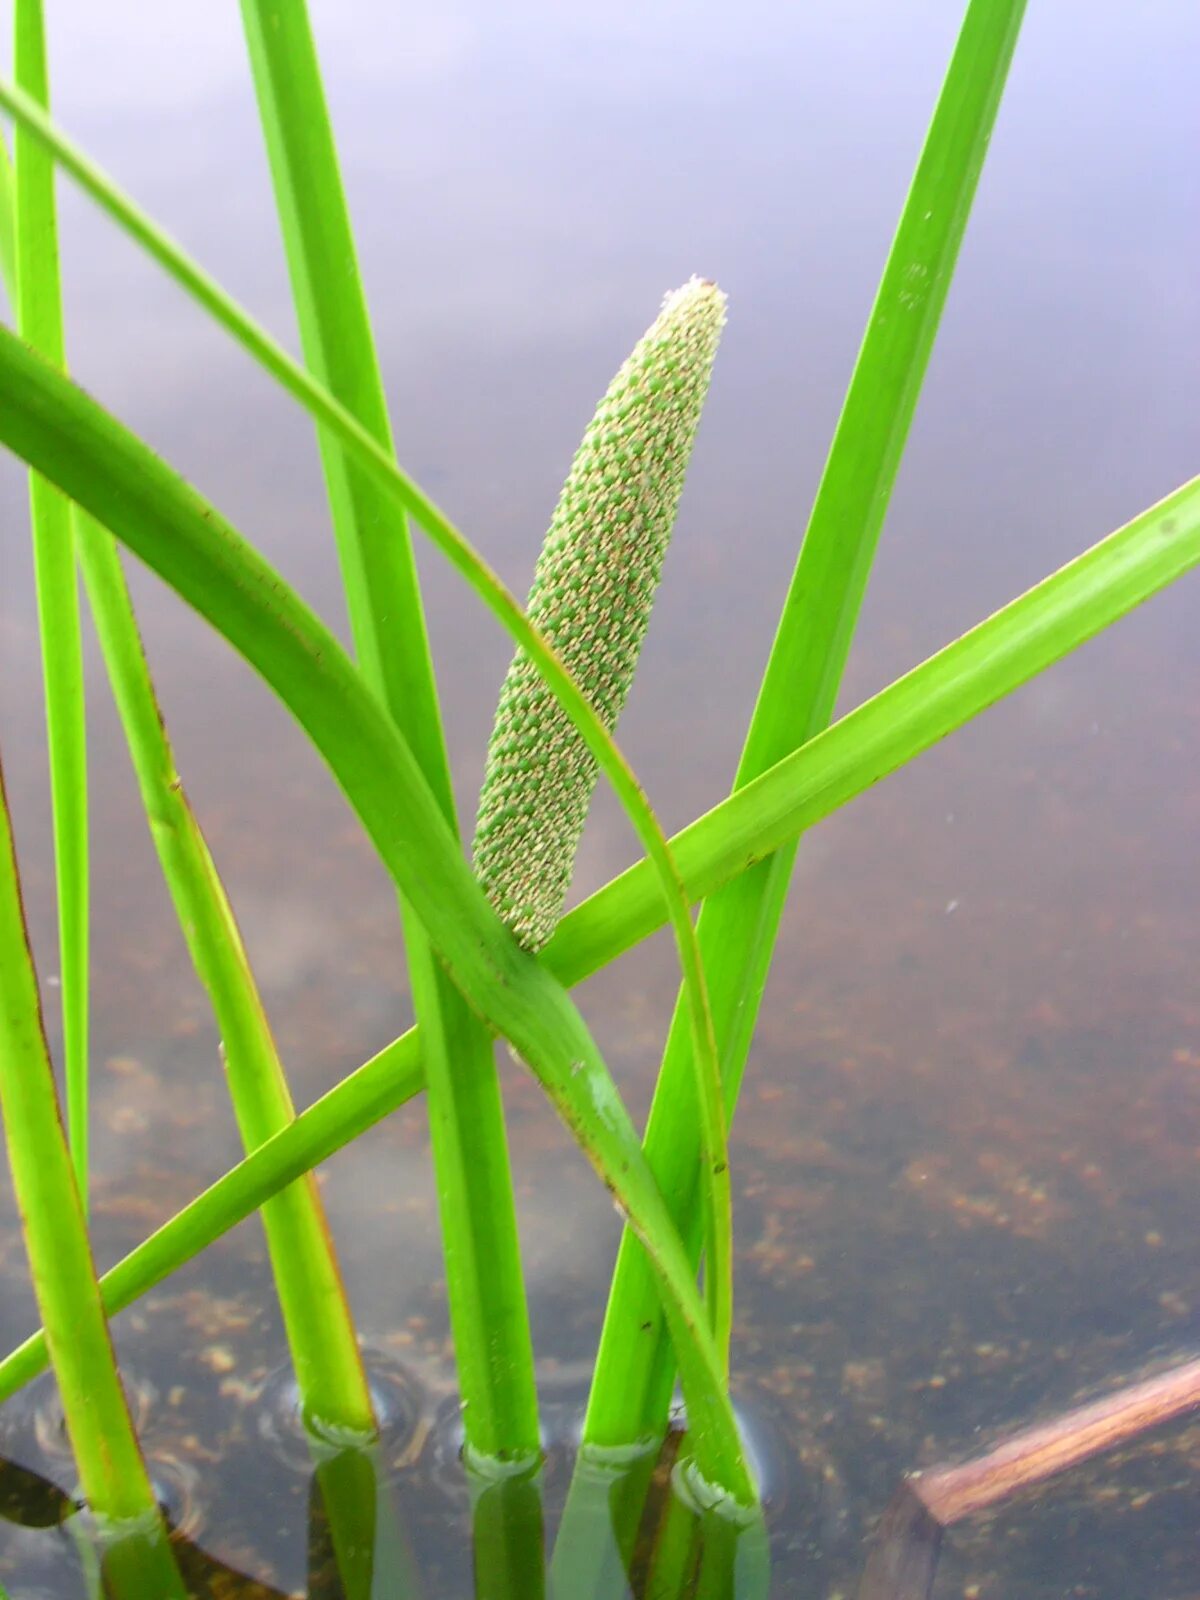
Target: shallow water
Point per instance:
(965, 1159)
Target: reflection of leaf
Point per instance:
(358, 1547)
(30, 1500)
(205, 1574)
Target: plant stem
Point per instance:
(320, 1332)
(8, 225)
(377, 461)
(50, 1179)
(635, 1371)
(485, 1286)
(33, 229)
(593, 591)
(57, 428)
(106, 1451)
(883, 734)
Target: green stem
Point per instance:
(320, 1332)
(50, 1180)
(592, 594)
(484, 1280)
(55, 427)
(8, 225)
(321, 1336)
(106, 1451)
(507, 1547)
(375, 460)
(138, 1563)
(38, 306)
(359, 1102)
(485, 1287)
(635, 1371)
(880, 736)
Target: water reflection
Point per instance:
(75, 1560)
(625, 1536)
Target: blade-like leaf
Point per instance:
(634, 1377)
(436, 525)
(65, 435)
(485, 1288)
(64, 1277)
(880, 736)
(50, 1180)
(321, 1336)
(38, 305)
(370, 456)
(357, 1103)
(379, 575)
(320, 1331)
(8, 236)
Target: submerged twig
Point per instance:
(904, 1558)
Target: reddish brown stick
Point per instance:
(904, 1556)
(904, 1553)
(952, 1493)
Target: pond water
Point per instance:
(965, 1163)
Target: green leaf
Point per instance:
(8, 224)
(357, 1103)
(320, 1331)
(885, 733)
(38, 304)
(50, 1180)
(424, 512)
(379, 575)
(634, 1371)
(489, 1321)
(372, 458)
(64, 1278)
(62, 433)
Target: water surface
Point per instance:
(965, 1162)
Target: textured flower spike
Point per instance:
(591, 597)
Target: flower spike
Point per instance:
(592, 592)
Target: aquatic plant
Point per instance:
(486, 959)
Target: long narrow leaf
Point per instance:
(39, 320)
(50, 1180)
(379, 575)
(485, 1287)
(64, 434)
(435, 524)
(329, 1371)
(64, 1277)
(880, 736)
(8, 236)
(634, 1378)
